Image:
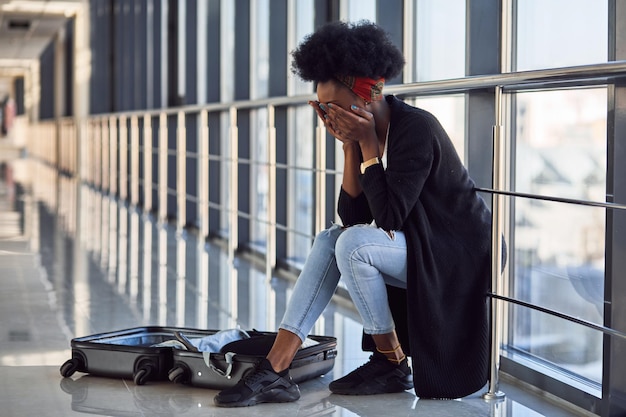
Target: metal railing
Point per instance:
(69, 150)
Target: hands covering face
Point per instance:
(354, 125)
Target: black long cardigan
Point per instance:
(441, 317)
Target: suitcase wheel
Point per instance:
(69, 367)
(179, 374)
(143, 372)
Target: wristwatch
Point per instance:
(366, 164)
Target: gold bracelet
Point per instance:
(364, 165)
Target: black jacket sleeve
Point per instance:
(353, 210)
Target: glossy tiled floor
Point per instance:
(75, 263)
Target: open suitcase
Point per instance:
(129, 353)
(132, 353)
(223, 369)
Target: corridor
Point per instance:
(75, 262)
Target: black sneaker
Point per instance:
(378, 376)
(262, 385)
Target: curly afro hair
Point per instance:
(361, 49)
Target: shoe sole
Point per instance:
(373, 389)
(272, 396)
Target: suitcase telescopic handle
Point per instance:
(185, 341)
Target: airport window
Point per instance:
(561, 33)
(301, 147)
(559, 248)
(559, 150)
(440, 54)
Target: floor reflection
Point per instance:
(83, 263)
(113, 266)
(92, 395)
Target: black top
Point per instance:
(426, 192)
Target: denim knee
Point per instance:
(328, 237)
(351, 239)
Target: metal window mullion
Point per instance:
(181, 171)
(147, 163)
(408, 42)
(162, 152)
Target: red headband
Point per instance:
(368, 89)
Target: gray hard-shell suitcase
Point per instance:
(225, 368)
(129, 353)
(132, 353)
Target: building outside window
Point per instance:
(560, 150)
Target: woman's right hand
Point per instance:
(320, 109)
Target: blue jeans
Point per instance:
(366, 258)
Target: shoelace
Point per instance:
(255, 376)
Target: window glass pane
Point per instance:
(304, 13)
(561, 143)
(301, 185)
(360, 10)
(259, 49)
(560, 33)
(568, 346)
(559, 247)
(227, 89)
(227, 52)
(259, 88)
(225, 177)
(259, 180)
(440, 53)
(301, 134)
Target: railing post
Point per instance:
(181, 174)
(162, 152)
(147, 163)
(270, 260)
(270, 263)
(320, 176)
(134, 160)
(113, 155)
(123, 150)
(497, 229)
(203, 176)
(234, 185)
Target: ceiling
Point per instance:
(26, 28)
